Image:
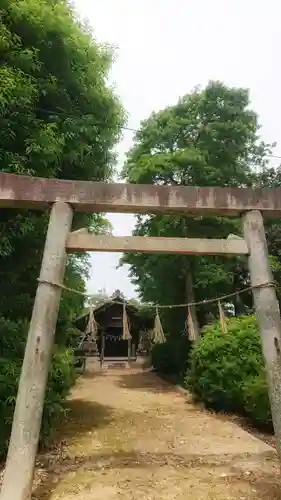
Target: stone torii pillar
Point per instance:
(20, 464)
(267, 312)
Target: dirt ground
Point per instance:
(129, 435)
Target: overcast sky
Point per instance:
(165, 49)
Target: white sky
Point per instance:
(165, 49)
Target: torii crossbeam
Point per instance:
(65, 196)
(37, 193)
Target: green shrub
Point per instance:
(12, 343)
(12, 338)
(61, 379)
(9, 377)
(73, 336)
(256, 400)
(227, 366)
(172, 357)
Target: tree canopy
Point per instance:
(59, 118)
(209, 138)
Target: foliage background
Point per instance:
(210, 137)
(59, 118)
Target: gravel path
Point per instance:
(130, 435)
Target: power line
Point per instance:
(273, 156)
(90, 115)
(66, 115)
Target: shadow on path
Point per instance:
(106, 462)
(83, 416)
(145, 382)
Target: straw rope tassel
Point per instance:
(126, 329)
(159, 336)
(191, 329)
(222, 318)
(92, 326)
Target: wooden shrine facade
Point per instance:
(109, 342)
(66, 196)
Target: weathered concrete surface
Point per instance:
(131, 436)
(37, 193)
(17, 483)
(267, 312)
(82, 241)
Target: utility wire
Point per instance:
(66, 116)
(89, 115)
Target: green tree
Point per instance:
(209, 138)
(59, 118)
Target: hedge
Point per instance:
(172, 357)
(256, 400)
(227, 370)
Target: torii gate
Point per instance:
(66, 196)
